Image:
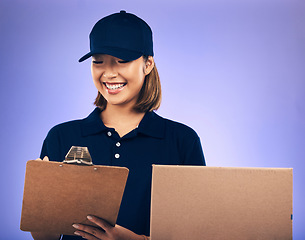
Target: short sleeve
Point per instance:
(51, 146)
(193, 153)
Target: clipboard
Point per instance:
(56, 195)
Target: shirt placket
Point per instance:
(116, 146)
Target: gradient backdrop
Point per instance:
(233, 70)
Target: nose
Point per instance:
(110, 72)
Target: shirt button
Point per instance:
(118, 144)
(117, 155)
(109, 134)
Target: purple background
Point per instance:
(233, 70)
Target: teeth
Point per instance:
(114, 86)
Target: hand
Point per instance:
(44, 159)
(45, 236)
(105, 231)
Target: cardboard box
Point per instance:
(190, 202)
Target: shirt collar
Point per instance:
(93, 124)
(152, 124)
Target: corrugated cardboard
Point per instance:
(191, 202)
(56, 195)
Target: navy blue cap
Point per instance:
(122, 35)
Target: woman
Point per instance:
(124, 130)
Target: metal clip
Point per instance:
(78, 155)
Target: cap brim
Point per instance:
(123, 54)
(83, 58)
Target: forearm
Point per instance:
(45, 236)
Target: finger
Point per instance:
(89, 230)
(100, 222)
(86, 235)
(44, 159)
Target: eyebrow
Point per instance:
(98, 56)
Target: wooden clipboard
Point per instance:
(56, 195)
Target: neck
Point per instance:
(115, 114)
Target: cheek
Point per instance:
(140, 75)
(137, 69)
(96, 78)
(137, 78)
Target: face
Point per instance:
(117, 80)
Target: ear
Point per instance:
(149, 65)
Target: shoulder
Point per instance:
(175, 133)
(64, 135)
(73, 126)
(78, 127)
(185, 140)
(177, 128)
(58, 140)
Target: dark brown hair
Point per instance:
(149, 96)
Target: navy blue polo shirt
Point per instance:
(155, 141)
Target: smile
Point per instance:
(114, 86)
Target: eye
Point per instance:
(97, 62)
(123, 61)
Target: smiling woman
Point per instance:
(149, 97)
(124, 130)
(112, 76)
